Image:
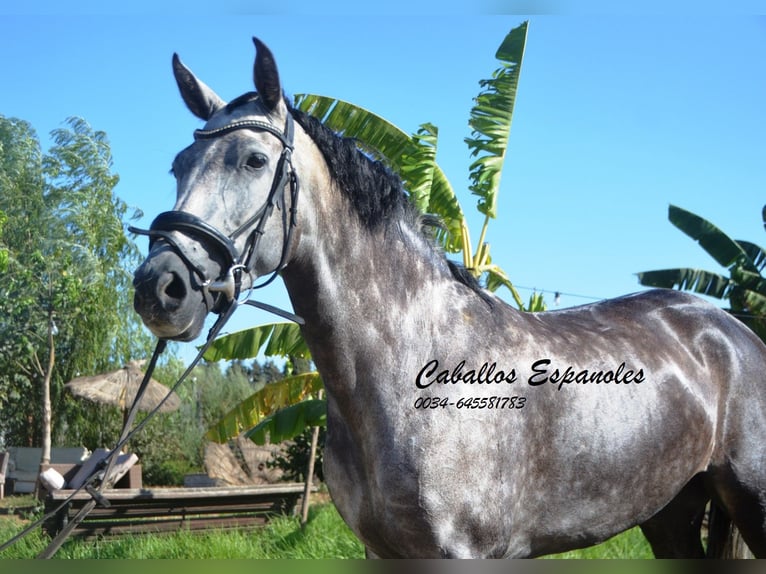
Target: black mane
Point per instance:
(375, 192)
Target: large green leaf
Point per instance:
(718, 245)
(373, 133)
(289, 422)
(268, 400)
(490, 121)
(497, 278)
(402, 153)
(418, 166)
(755, 253)
(749, 280)
(745, 288)
(699, 281)
(443, 202)
(281, 339)
(750, 301)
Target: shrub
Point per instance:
(167, 473)
(295, 461)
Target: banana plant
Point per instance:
(413, 157)
(490, 123)
(745, 287)
(279, 410)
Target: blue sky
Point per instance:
(617, 115)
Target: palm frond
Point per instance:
(755, 253)
(685, 279)
(418, 166)
(497, 278)
(280, 339)
(289, 422)
(490, 121)
(715, 242)
(749, 280)
(265, 402)
(374, 134)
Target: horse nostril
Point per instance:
(171, 291)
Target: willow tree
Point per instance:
(65, 285)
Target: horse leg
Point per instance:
(724, 539)
(746, 509)
(674, 532)
(739, 487)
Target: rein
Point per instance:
(228, 285)
(102, 477)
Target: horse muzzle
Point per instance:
(169, 296)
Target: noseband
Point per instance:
(236, 263)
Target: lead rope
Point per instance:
(97, 495)
(127, 434)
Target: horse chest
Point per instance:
(406, 496)
(361, 481)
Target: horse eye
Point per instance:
(256, 161)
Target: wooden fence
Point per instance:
(172, 509)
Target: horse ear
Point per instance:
(266, 76)
(199, 98)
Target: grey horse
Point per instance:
(457, 426)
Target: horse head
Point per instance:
(223, 232)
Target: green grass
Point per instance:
(324, 536)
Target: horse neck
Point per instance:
(365, 293)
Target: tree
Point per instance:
(744, 288)
(285, 409)
(65, 304)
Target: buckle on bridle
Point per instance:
(229, 285)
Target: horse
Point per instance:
(457, 426)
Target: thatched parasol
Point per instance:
(119, 388)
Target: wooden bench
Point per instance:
(158, 510)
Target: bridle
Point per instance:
(237, 264)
